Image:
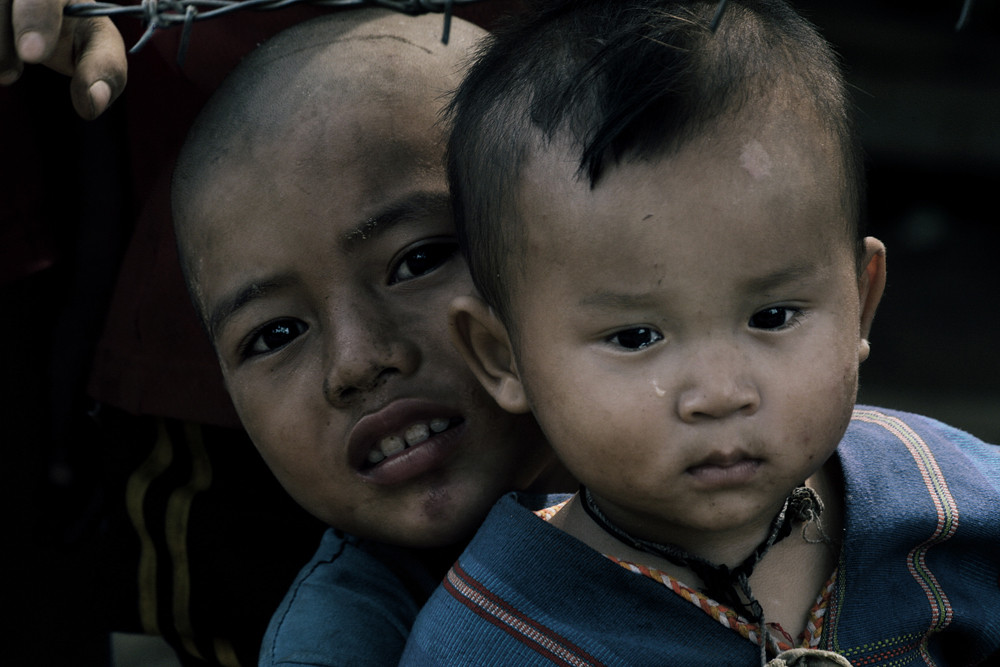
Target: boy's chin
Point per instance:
(431, 537)
(444, 529)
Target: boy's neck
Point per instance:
(730, 548)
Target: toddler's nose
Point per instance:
(719, 385)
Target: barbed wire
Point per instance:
(163, 14)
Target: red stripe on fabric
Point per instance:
(494, 609)
(945, 507)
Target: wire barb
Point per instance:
(447, 21)
(963, 18)
(718, 16)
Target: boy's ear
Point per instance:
(482, 340)
(871, 284)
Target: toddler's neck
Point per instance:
(786, 581)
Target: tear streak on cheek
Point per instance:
(756, 160)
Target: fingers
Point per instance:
(29, 33)
(34, 27)
(90, 50)
(10, 64)
(101, 67)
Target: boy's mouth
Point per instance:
(411, 436)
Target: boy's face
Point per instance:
(688, 333)
(328, 264)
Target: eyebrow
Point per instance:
(247, 294)
(789, 274)
(756, 285)
(618, 300)
(409, 207)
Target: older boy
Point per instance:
(315, 230)
(662, 211)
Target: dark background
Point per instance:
(929, 97)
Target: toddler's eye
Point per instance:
(773, 318)
(422, 260)
(272, 336)
(636, 339)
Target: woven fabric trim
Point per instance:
(529, 632)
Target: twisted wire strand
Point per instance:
(163, 14)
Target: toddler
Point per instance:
(661, 206)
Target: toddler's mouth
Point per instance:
(411, 436)
(726, 470)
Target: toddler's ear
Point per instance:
(482, 340)
(871, 284)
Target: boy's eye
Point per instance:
(422, 260)
(636, 339)
(272, 336)
(773, 318)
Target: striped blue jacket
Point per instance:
(918, 580)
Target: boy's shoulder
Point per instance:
(349, 587)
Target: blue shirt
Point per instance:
(918, 581)
(352, 604)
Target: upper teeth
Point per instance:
(417, 433)
(392, 445)
(413, 435)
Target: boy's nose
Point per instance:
(362, 357)
(718, 387)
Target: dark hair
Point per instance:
(622, 79)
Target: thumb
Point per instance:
(100, 67)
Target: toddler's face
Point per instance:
(689, 331)
(329, 263)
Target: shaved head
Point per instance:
(308, 88)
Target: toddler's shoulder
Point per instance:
(869, 422)
(881, 438)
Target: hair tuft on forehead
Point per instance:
(616, 81)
